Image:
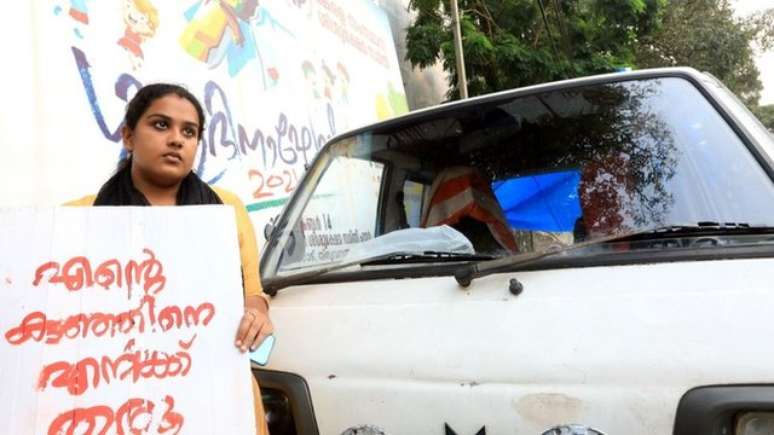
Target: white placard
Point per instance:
(121, 318)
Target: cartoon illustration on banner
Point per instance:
(277, 80)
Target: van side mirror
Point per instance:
(269, 228)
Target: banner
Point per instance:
(277, 80)
(121, 320)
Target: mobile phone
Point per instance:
(261, 355)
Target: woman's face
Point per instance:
(163, 144)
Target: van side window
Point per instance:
(342, 213)
(413, 198)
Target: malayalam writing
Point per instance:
(37, 326)
(350, 30)
(320, 234)
(77, 272)
(133, 364)
(288, 141)
(133, 417)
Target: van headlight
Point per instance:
(755, 423)
(572, 429)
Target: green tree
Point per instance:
(704, 34)
(513, 43)
(766, 115)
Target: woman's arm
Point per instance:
(255, 324)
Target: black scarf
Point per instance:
(119, 190)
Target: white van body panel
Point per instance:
(613, 348)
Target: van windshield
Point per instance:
(526, 173)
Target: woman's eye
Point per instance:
(189, 132)
(160, 124)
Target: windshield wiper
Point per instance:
(466, 274)
(427, 257)
(273, 285)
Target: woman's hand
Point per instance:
(255, 325)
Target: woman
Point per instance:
(162, 128)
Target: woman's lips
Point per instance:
(172, 158)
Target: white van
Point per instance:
(581, 257)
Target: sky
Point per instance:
(765, 61)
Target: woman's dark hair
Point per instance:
(150, 93)
(120, 189)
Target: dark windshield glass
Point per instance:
(522, 174)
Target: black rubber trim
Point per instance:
(627, 258)
(381, 211)
(711, 410)
(297, 392)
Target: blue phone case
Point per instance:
(261, 355)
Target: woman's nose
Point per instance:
(175, 139)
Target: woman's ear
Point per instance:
(126, 137)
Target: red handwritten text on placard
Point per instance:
(138, 364)
(135, 416)
(91, 372)
(38, 327)
(77, 273)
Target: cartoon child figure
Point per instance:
(310, 77)
(342, 84)
(142, 20)
(317, 102)
(341, 97)
(329, 81)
